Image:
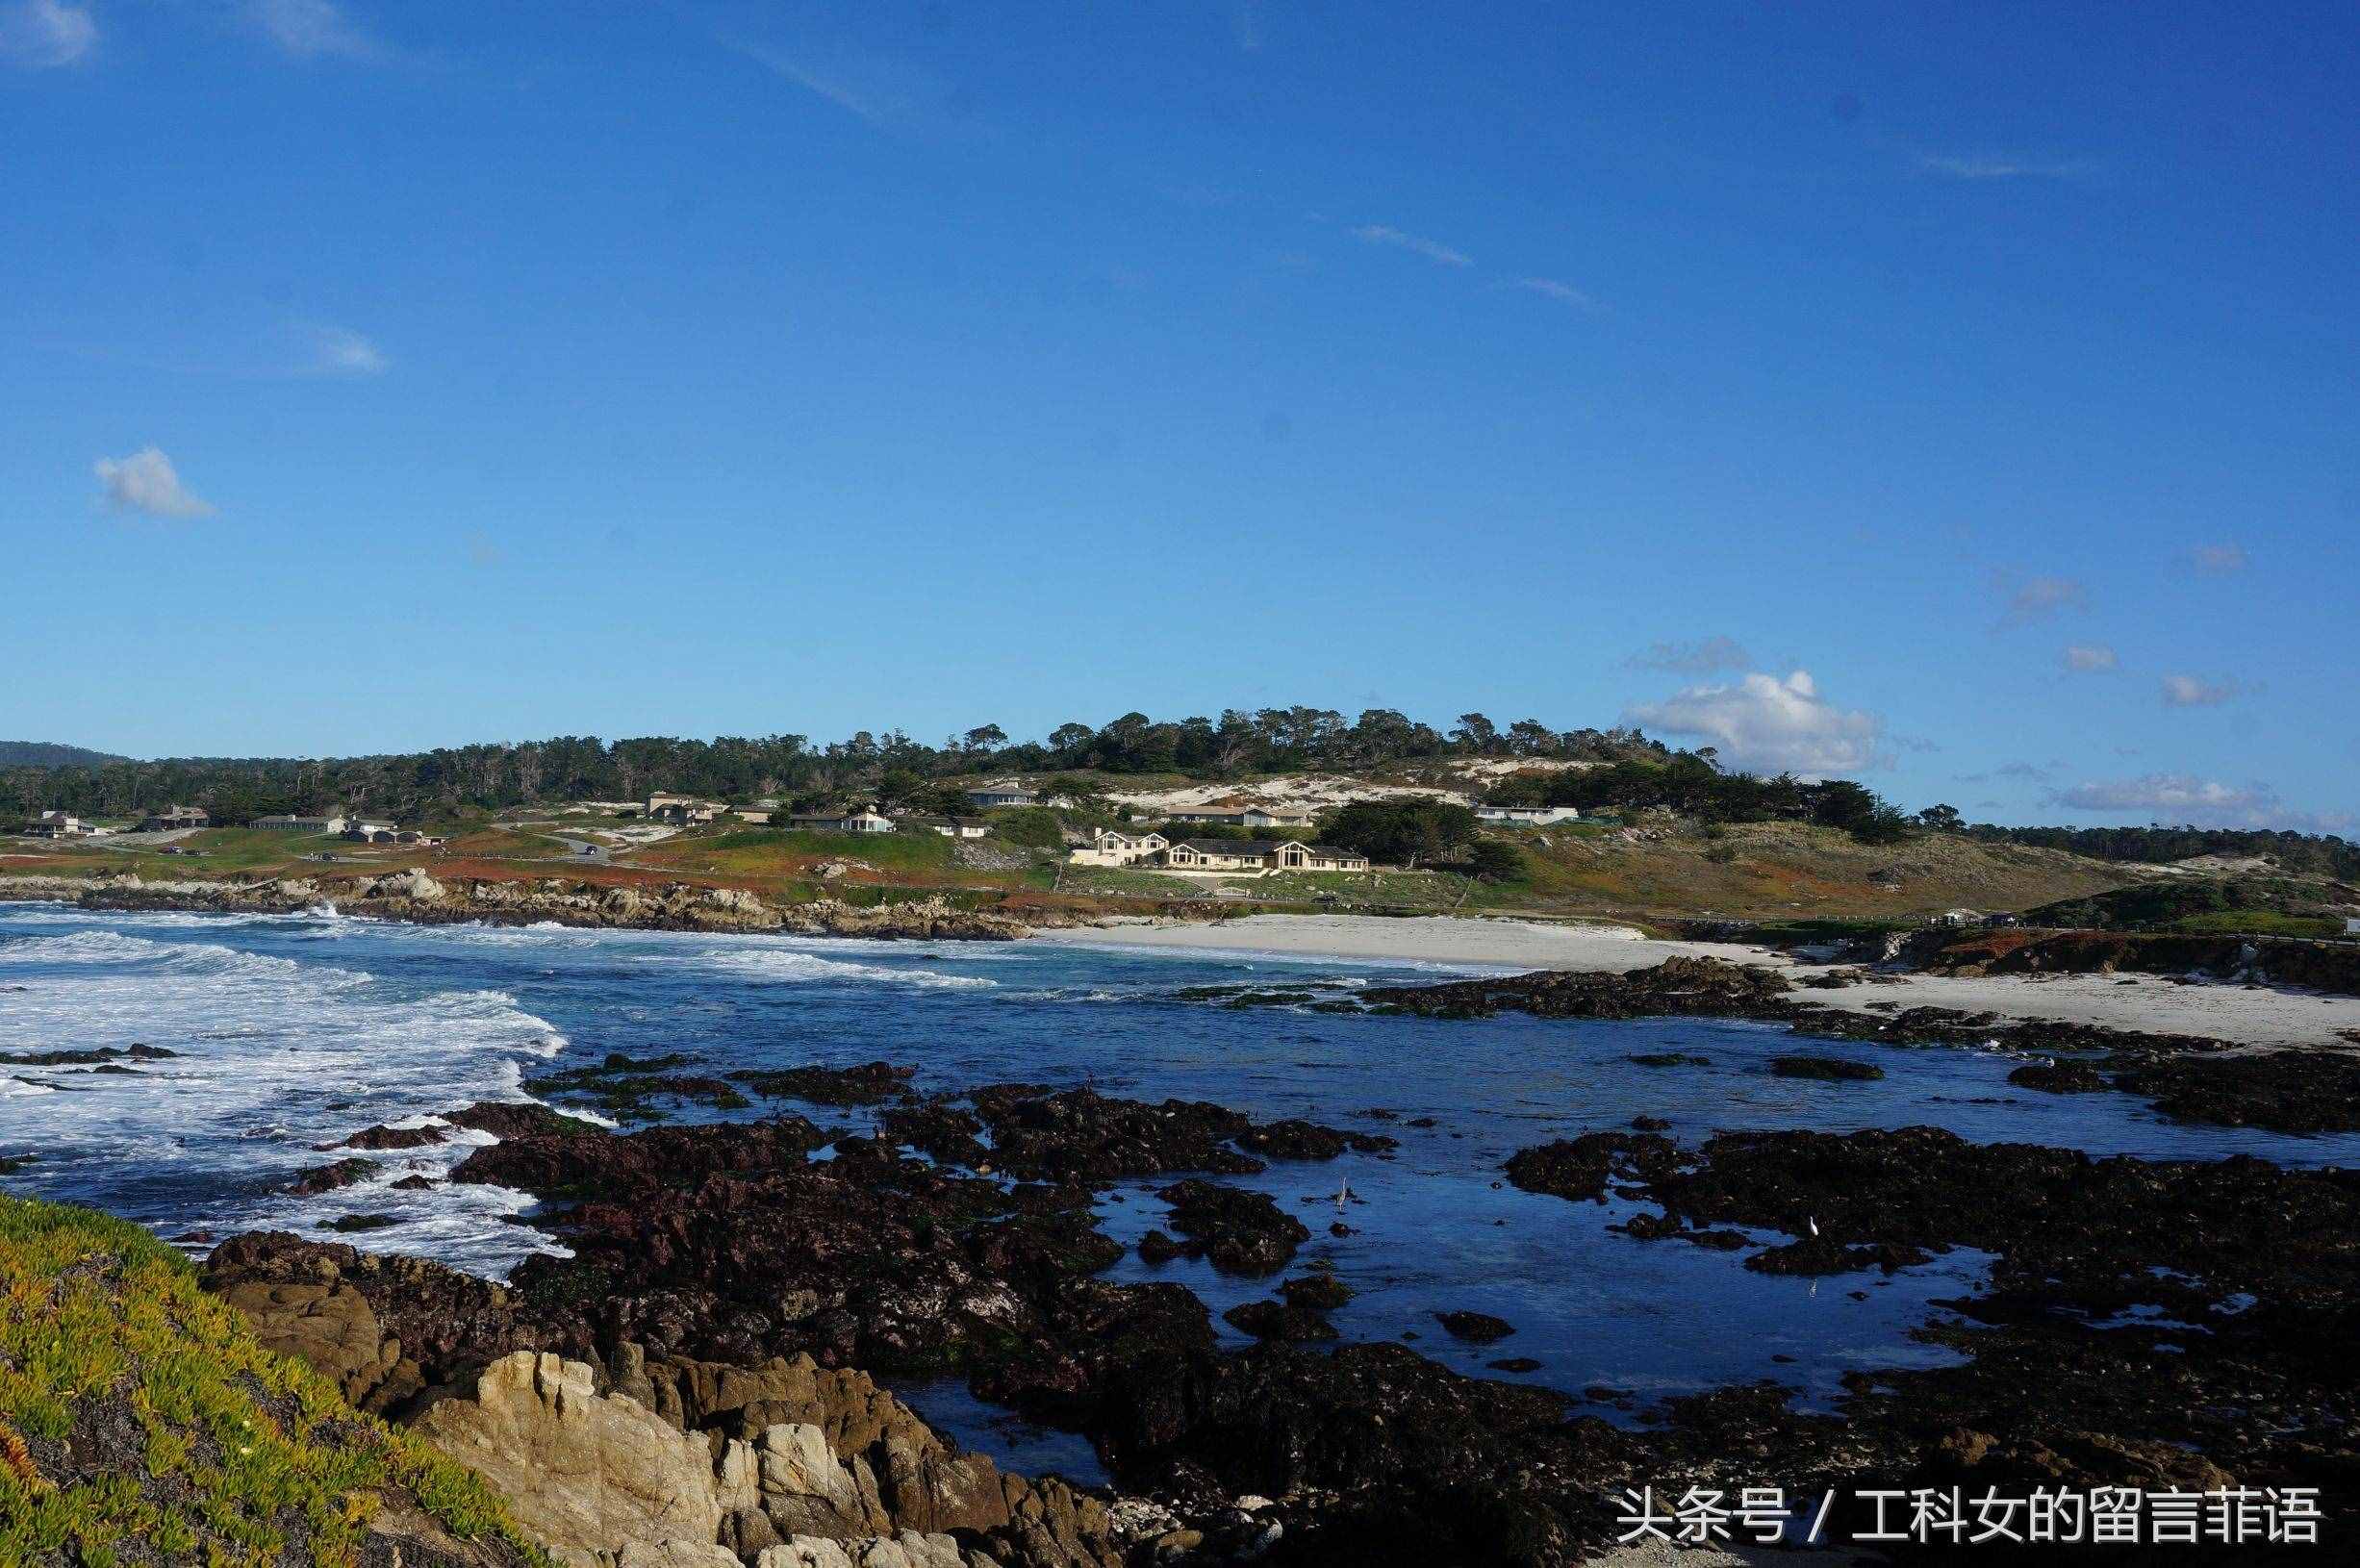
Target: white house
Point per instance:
(1956, 917)
(1527, 816)
(1258, 855)
(863, 821)
(1119, 847)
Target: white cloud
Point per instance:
(1433, 250)
(2190, 692)
(343, 351)
(1998, 167)
(2218, 559)
(1765, 724)
(1706, 656)
(146, 482)
(2039, 598)
(885, 91)
(43, 33)
(2090, 658)
(313, 29)
(1564, 293)
(2203, 802)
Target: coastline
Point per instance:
(2237, 1014)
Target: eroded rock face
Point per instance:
(586, 1473)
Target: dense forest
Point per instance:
(578, 768)
(50, 755)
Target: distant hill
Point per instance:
(50, 755)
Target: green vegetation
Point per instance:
(1690, 784)
(2263, 905)
(771, 851)
(1402, 832)
(1035, 827)
(139, 1420)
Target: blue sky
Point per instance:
(1956, 397)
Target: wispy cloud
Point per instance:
(39, 34)
(2206, 803)
(2090, 658)
(2218, 559)
(2037, 598)
(1433, 250)
(1993, 166)
(146, 482)
(2191, 691)
(315, 30)
(341, 352)
(882, 91)
(1564, 293)
(1706, 656)
(1766, 724)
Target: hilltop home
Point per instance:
(1527, 816)
(1119, 847)
(300, 824)
(1238, 815)
(863, 821)
(1001, 795)
(1258, 855)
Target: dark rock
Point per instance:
(1274, 1320)
(328, 1177)
(1475, 1327)
(1316, 1292)
(1832, 1069)
(1241, 1233)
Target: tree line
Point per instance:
(576, 767)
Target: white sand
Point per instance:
(1434, 939)
(2244, 1015)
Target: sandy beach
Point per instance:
(2244, 1015)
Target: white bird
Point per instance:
(1343, 1193)
(1813, 1224)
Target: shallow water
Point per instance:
(294, 1031)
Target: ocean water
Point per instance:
(293, 1031)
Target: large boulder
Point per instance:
(600, 1478)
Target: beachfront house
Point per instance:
(1256, 856)
(175, 819)
(1236, 814)
(1119, 847)
(1956, 917)
(992, 795)
(862, 821)
(1527, 816)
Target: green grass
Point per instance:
(140, 1417)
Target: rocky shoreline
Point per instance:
(416, 897)
(705, 1358)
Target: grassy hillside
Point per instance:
(141, 1423)
(1776, 870)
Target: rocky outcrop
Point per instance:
(593, 1477)
(413, 894)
